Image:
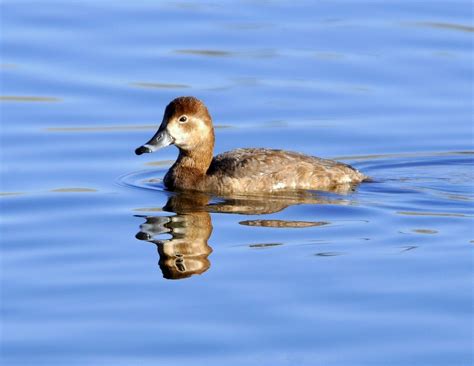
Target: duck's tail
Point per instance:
(361, 177)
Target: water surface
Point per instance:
(101, 265)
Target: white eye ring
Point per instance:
(183, 119)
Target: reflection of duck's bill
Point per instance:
(161, 139)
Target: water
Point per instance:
(380, 276)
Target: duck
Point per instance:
(188, 125)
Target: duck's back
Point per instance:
(267, 170)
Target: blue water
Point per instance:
(101, 266)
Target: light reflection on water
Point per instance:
(381, 275)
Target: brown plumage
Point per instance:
(188, 125)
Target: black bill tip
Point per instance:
(142, 150)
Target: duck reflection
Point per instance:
(186, 252)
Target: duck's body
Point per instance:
(188, 125)
(263, 170)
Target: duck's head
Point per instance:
(186, 124)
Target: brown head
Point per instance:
(186, 124)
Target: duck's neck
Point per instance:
(199, 158)
(190, 167)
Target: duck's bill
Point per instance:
(160, 140)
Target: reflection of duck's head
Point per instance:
(185, 254)
(183, 259)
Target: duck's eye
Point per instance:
(183, 119)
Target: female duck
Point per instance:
(188, 125)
